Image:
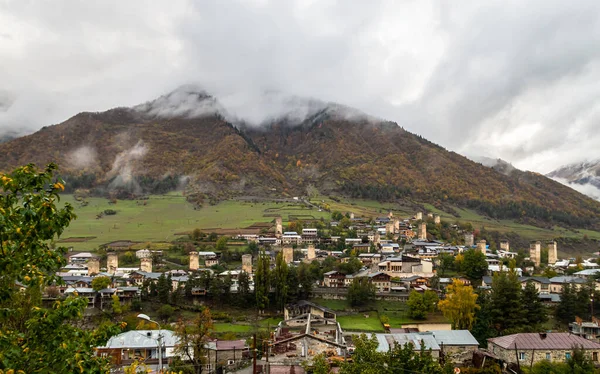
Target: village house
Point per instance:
(81, 257)
(369, 258)
(226, 353)
(557, 283)
(530, 348)
(381, 281)
(588, 330)
(334, 279)
(405, 266)
(291, 238)
(455, 344)
(542, 284)
(126, 347)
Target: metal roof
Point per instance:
(454, 337)
(142, 339)
(551, 340)
(567, 279)
(387, 341)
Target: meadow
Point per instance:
(162, 218)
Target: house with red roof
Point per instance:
(527, 349)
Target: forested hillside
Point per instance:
(127, 152)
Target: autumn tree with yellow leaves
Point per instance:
(35, 339)
(460, 305)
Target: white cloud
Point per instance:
(515, 80)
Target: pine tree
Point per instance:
(565, 310)
(164, 289)
(535, 312)
(506, 308)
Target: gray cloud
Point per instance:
(515, 80)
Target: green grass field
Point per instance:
(368, 321)
(164, 216)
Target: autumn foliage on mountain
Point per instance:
(128, 152)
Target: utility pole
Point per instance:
(254, 355)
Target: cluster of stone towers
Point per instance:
(422, 226)
(535, 252)
(112, 264)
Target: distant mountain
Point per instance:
(189, 139)
(583, 177)
(497, 164)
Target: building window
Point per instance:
(568, 355)
(595, 356)
(548, 356)
(521, 355)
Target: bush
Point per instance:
(165, 312)
(110, 212)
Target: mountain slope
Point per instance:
(583, 177)
(157, 146)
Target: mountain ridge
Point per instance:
(130, 151)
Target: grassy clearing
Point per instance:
(230, 327)
(368, 321)
(164, 216)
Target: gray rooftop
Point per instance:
(387, 341)
(142, 339)
(454, 337)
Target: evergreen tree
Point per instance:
(535, 312)
(243, 288)
(361, 291)
(164, 289)
(305, 279)
(227, 283)
(482, 328)
(216, 289)
(565, 310)
(506, 308)
(293, 284)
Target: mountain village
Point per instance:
(394, 256)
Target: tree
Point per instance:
(280, 281)
(430, 299)
(506, 309)
(100, 283)
(32, 337)
(361, 291)
(399, 359)
(193, 340)
(306, 279)
(460, 305)
(482, 328)
(474, 265)
(165, 312)
(445, 262)
(243, 288)
(535, 312)
(221, 244)
(416, 306)
(262, 281)
(319, 365)
(163, 288)
(117, 308)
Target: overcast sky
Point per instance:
(516, 80)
